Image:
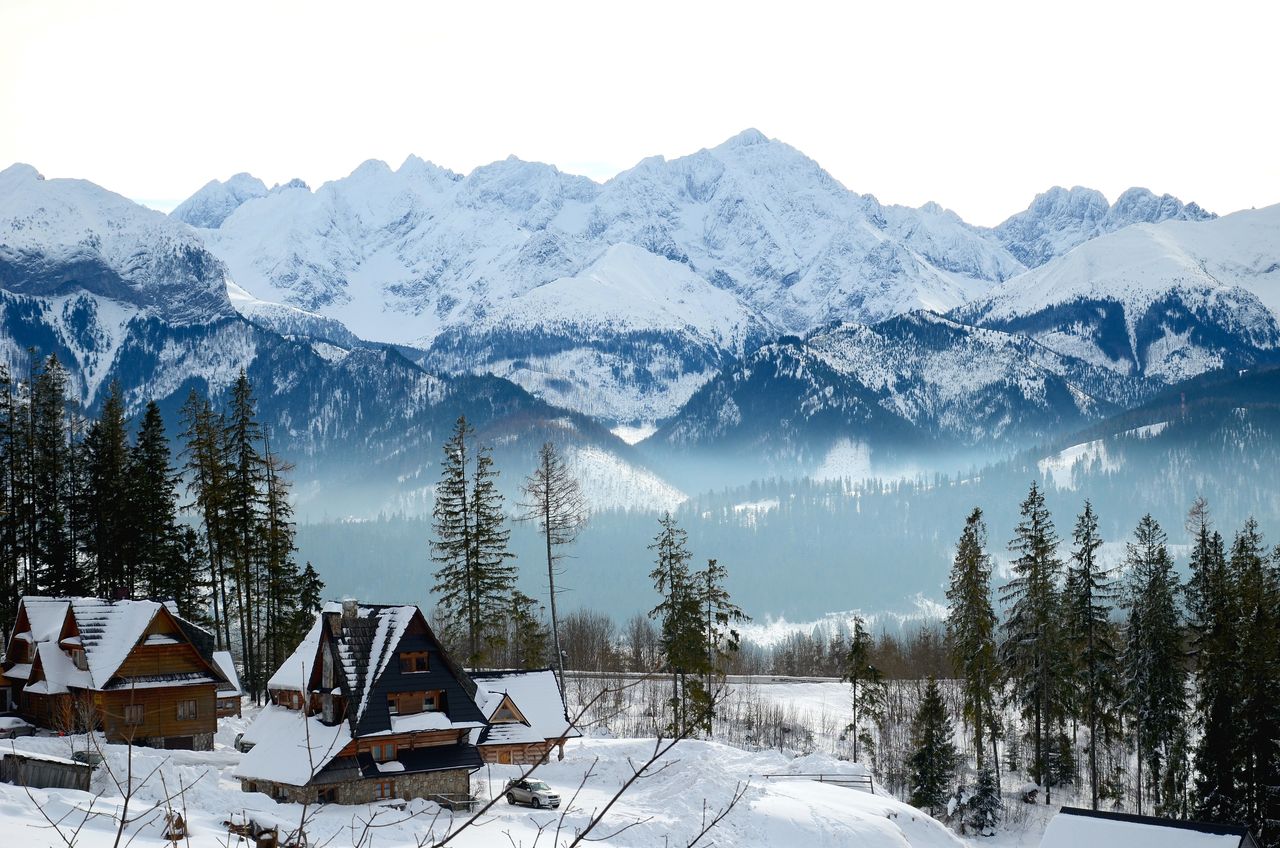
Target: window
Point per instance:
(81, 662)
(186, 710)
(393, 705)
(382, 753)
(411, 663)
(133, 714)
(384, 789)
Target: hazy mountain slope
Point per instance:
(216, 200)
(916, 381)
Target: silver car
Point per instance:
(535, 793)
(12, 727)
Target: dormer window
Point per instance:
(413, 661)
(81, 661)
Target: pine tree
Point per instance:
(934, 760)
(10, 499)
(1257, 719)
(865, 680)
(554, 500)
(1033, 650)
(971, 624)
(280, 571)
(1154, 671)
(207, 473)
(680, 623)
(109, 536)
(527, 635)
(1088, 600)
(719, 617)
(1213, 611)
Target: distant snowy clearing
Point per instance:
(664, 809)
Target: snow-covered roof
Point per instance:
(223, 662)
(293, 673)
(58, 672)
(110, 630)
(1072, 827)
(46, 616)
(366, 644)
(289, 747)
(536, 696)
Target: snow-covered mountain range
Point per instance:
(739, 294)
(619, 299)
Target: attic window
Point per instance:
(78, 657)
(412, 662)
(382, 753)
(505, 715)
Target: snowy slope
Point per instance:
(63, 236)
(1169, 300)
(666, 808)
(628, 339)
(1059, 219)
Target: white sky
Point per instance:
(976, 106)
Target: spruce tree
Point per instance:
(1089, 598)
(865, 680)
(54, 563)
(554, 500)
(934, 759)
(720, 615)
(159, 563)
(984, 805)
(1153, 660)
(493, 577)
(452, 548)
(207, 474)
(680, 623)
(107, 462)
(1257, 717)
(971, 623)
(1033, 651)
(1213, 617)
(245, 483)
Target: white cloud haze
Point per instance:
(975, 106)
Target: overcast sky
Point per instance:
(977, 107)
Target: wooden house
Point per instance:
(1073, 827)
(526, 716)
(126, 667)
(230, 694)
(369, 707)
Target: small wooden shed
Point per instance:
(43, 771)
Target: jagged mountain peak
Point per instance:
(747, 138)
(216, 200)
(1060, 219)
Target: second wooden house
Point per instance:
(369, 707)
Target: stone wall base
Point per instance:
(365, 790)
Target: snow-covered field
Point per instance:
(667, 808)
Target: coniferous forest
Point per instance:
(117, 508)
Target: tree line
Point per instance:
(1168, 690)
(93, 506)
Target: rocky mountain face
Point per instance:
(216, 200)
(1060, 219)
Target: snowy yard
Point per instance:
(670, 805)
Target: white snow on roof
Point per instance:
(59, 672)
(293, 673)
(289, 747)
(535, 695)
(224, 663)
(110, 630)
(46, 615)
(21, 671)
(1069, 831)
